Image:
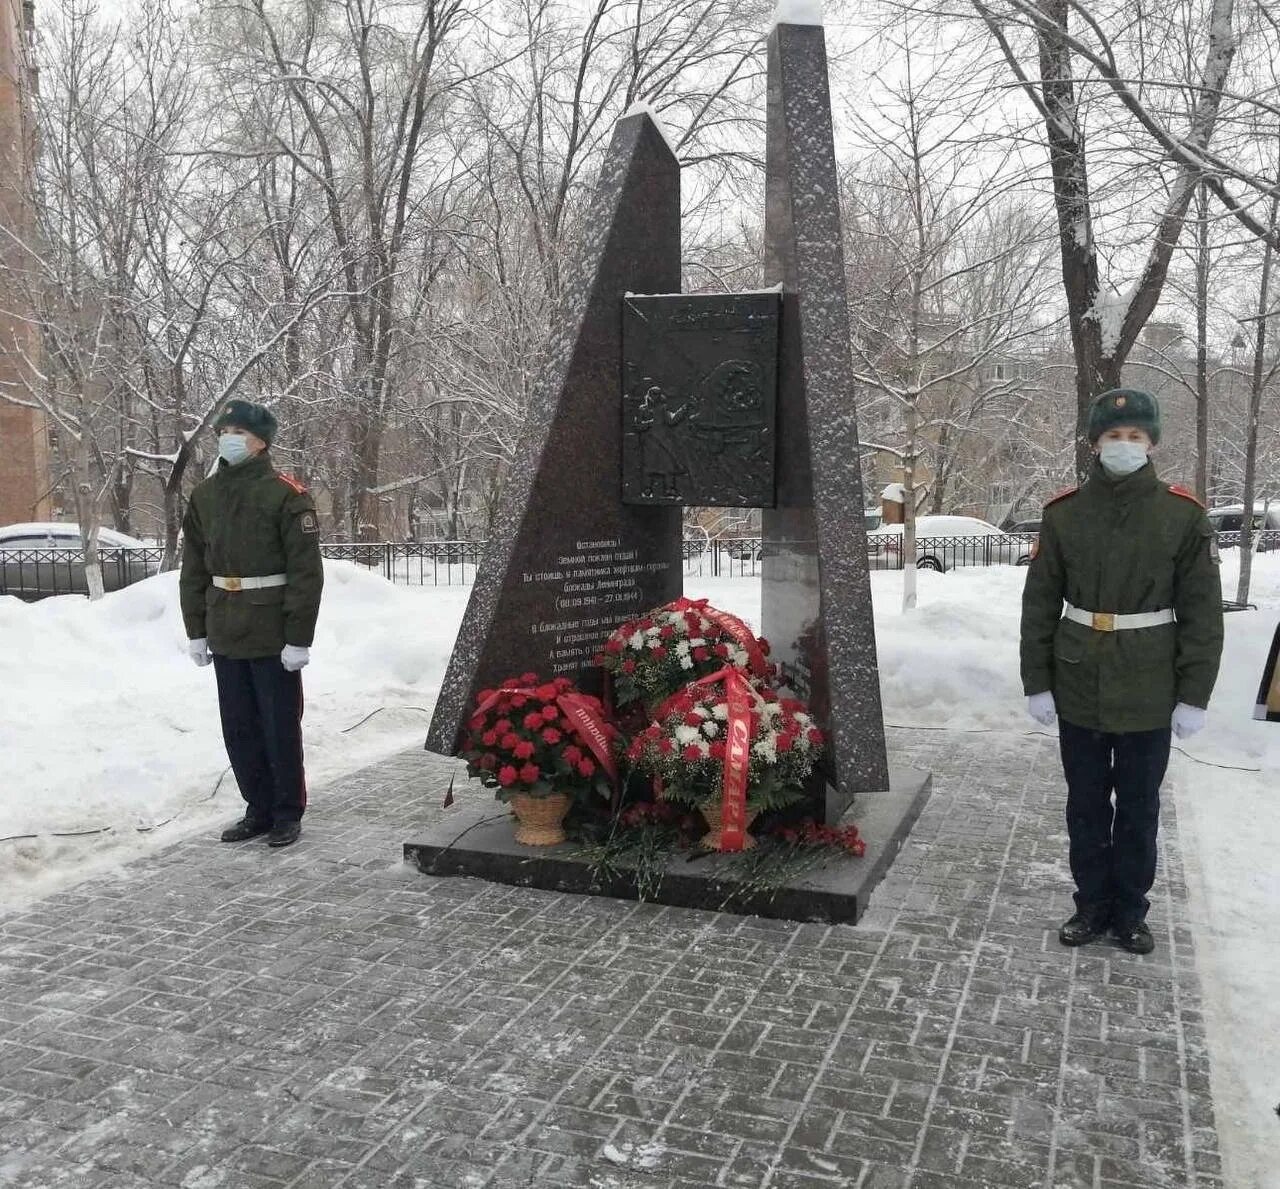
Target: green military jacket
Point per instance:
(249, 521)
(1123, 546)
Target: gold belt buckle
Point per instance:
(1104, 621)
(234, 584)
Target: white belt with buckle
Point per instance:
(227, 583)
(1105, 621)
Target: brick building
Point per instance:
(25, 478)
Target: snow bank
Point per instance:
(111, 734)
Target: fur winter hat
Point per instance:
(244, 414)
(1124, 406)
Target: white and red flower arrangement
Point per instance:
(651, 657)
(540, 738)
(731, 747)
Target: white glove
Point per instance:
(294, 657)
(198, 651)
(1041, 707)
(1188, 720)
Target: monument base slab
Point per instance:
(478, 842)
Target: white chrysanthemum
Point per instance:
(696, 641)
(765, 750)
(738, 656)
(704, 747)
(686, 734)
(711, 728)
(636, 641)
(653, 642)
(682, 648)
(686, 662)
(721, 711)
(803, 719)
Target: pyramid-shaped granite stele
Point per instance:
(816, 607)
(566, 560)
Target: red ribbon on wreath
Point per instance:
(739, 696)
(731, 625)
(577, 710)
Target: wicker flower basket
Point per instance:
(712, 841)
(540, 820)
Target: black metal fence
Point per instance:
(39, 573)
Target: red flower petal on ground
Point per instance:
(533, 720)
(524, 749)
(529, 773)
(507, 775)
(586, 766)
(551, 735)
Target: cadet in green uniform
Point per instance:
(1121, 639)
(250, 590)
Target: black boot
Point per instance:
(1082, 928)
(284, 834)
(246, 827)
(1136, 939)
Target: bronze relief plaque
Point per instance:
(699, 399)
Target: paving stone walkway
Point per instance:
(323, 1017)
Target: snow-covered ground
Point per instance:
(111, 746)
(110, 737)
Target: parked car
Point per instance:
(944, 542)
(1227, 520)
(38, 560)
(1024, 526)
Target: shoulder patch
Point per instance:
(1060, 495)
(1178, 489)
(290, 481)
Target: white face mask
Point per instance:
(1122, 458)
(233, 448)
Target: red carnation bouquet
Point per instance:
(540, 738)
(653, 656)
(732, 748)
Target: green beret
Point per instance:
(1124, 406)
(243, 414)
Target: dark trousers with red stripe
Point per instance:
(260, 702)
(1113, 843)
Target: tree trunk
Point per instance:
(1255, 407)
(1203, 261)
